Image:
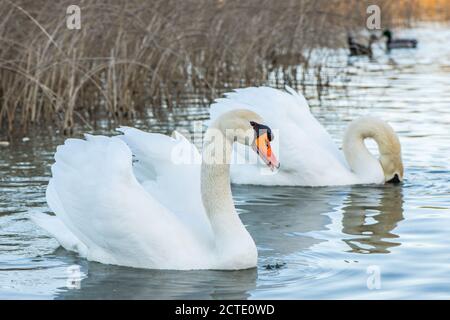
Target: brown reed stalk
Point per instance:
(133, 56)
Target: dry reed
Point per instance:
(133, 56)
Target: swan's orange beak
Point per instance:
(263, 149)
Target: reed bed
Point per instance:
(132, 57)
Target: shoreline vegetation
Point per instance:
(130, 57)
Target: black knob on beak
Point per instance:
(395, 179)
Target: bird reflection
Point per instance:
(371, 216)
(113, 282)
(282, 221)
(279, 220)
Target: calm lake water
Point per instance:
(327, 242)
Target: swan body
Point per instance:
(133, 200)
(308, 153)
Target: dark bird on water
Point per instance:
(396, 43)
(358, 49)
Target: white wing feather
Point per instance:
(96, 196)
(169, 169)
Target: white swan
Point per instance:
(309, 155)
(156, 211)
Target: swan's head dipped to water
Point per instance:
(361, 161)
(391, 160)
(245, 127)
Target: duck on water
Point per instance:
(397, 43)
(358, 49)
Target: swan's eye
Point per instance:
(270, 134)
(261, 129)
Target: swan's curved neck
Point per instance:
(215, 185)
(360, 160)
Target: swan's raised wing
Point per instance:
(303, 146)
(169, 169)
(95, 195)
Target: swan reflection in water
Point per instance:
(281, 220)
(276, 218)
(371, 216)
(114, 282)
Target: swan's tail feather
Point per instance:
(56, 228)
(52, 199)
